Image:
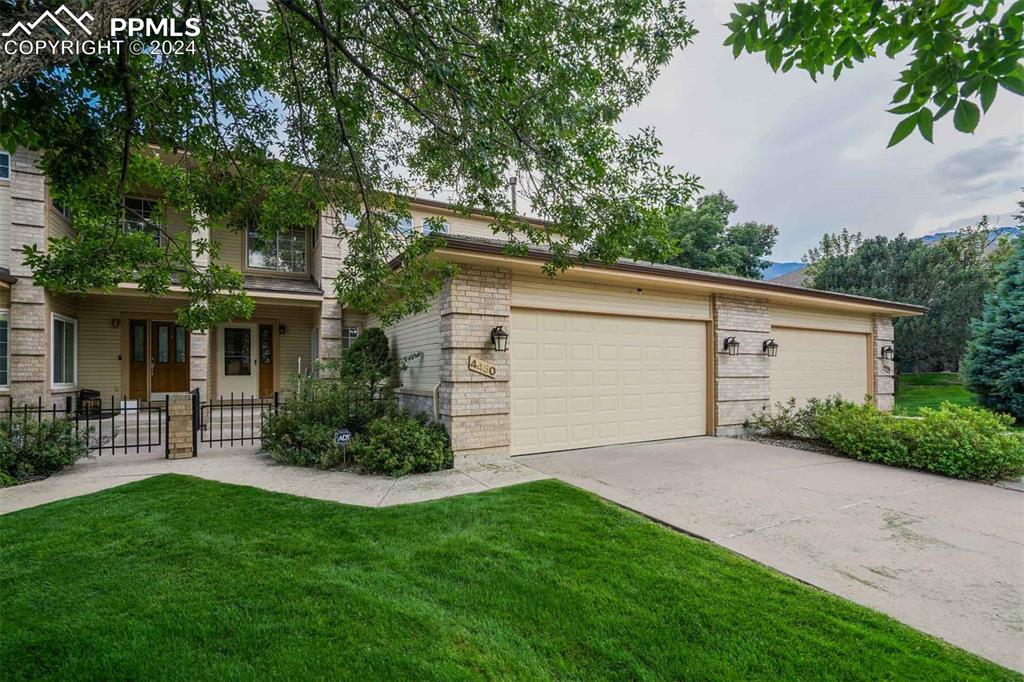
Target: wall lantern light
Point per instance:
(731, 345)
(115, 322)
(770, 348)
(281, 329)
(499, 338)
(888, 353)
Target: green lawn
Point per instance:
(175, 577)
(930, 389)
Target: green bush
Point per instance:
(965, 442)
(402, 444)
(954, 440)
(864, 432)
(302, 432)
(38, 448)
(786, 420)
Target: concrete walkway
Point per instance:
(245, 466)
(944, 556)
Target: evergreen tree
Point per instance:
(994, 364)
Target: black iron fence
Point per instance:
(107, 427)
(230, 420)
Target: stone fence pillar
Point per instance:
(179, 426)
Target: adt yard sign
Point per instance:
(342, 437)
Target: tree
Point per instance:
(994, 363)
(962, 51)
(703, 239)
(361, 104)
(951, 278)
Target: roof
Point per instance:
(285, 285)
(496, 246)
(796, 278)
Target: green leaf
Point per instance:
(773, 55)
(903, 128)
(966, 116)
(947, 7)
(1014, 81)
(908, 108)
(902, 93)
(924, 123)
(988, 92)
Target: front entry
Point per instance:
(157, 359)
(238, 360)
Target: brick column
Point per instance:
(179, 430)
(475, 408)
(332, 254)
(29, 373)
(742, 382)
(885, 370)
(199, 364)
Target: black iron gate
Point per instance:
(230, 420)
(106, 427)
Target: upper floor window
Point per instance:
(350, 220)
(62, 208)
(5, 166)
(435, 227)
(284, 252)
(140, 215)
(405, 226)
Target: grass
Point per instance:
(930, 389)
(175, 577)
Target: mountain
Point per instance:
(778, 269)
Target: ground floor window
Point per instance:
(5, 348)
(63, 350)
(348, 335)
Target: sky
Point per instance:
(811, 158)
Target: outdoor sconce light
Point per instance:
(770, 348)
(115, 322)
(499, 338)
(731, 345)
(281, 329)
(888, 353)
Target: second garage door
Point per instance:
(581, 380)
(819, 364)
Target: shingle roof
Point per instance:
(285, 285)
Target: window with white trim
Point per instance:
(405, 226)
(350, 220)
(62, 208)
(348, 336)
(63, 350)
(141, 215)
(284, 252)
(5, 348)
(5, 166)
(435, 227)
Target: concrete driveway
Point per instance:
(944, 556)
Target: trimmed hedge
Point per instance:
(953, 440)
(30, 448)
(402, 444)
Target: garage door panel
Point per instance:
(613, 380)
(819, 364)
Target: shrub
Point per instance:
(965, 442)
(38, 448)
(402, 444)
(369, 367)
(302, 432)
(955, 441)
(786, 420)
(864, 432)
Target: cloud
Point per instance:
(993, 166)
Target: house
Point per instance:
(599, 355)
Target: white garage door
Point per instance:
(581, 380)
(819, 364)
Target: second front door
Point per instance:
(238, 360)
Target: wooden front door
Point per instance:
(266, 360)
(138, 361)
(169, 357)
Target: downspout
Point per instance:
(437, 402)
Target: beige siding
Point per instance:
(559, 294)
(818, 318)
(819, 364)
(418, 334)
(231, 247)
(295, 346)
(582, 380)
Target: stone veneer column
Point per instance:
(199, 365)
(885, 370)
(29, 375)
(742, 382)
(475, 408)
(331, 258)
(179, 426)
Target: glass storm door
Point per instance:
(237, 360)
